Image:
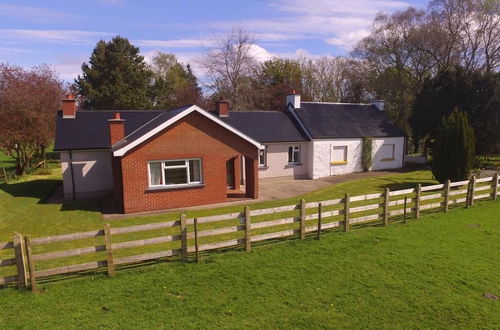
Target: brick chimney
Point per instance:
(69, 106)
(222, 107)
(116, 128)
(294, 99)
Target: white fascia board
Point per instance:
(171, 121)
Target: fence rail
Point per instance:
(254, 225)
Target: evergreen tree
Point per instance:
(453, 150)
(116, 77)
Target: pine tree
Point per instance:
(453, 150)
(116, 77)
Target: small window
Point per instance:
(339, 155)
(263, 157)
(294, 155)
(387, 152)
(174, 172)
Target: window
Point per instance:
(294, 155)
(339, 155)
(263, 157)
(387, 152)
(170, 173)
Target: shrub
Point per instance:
(453, 150)
(366, 157)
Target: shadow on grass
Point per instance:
(40, 189)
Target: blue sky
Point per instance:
(62, 33)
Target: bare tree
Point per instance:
(28, 103)
(230, 66)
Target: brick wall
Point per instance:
(193, 137)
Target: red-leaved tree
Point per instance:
(29, 99)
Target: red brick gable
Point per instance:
(194, 136)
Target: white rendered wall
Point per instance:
(92, 173)
(322, 156)
(397, 162)
(277, 161)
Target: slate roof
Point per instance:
(266, 126)
(89, 130)
(343, 120)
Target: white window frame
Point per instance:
(165, 167)
(295, 148)
(264, 153)
(343, 161)
(389, 159)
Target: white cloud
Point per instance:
(73, 37)
(260, 53)
(347, 39)
(176, 43)
(338, 22)
(34, 14)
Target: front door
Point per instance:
(230, 173)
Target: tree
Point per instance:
(453, 150)
(173, 84)
(230, 67)
(275, 79)
(116, 77)
(475, 93)
(29, 99)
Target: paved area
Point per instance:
(269, 189)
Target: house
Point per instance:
(152, 160)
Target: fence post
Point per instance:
(248, 230)
(196, 248)
(319, 220)
(109, 251)
(302, 219)
(404, 209)
(184, 247)
(495, 186)
(4, 174)
(346, 212)
(386, 206)
(20, 255)
(446, 188)
(417, 201)
(31, 263)
(472, 187)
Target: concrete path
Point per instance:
(270, 189)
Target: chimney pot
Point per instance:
(69, 106)
(116, 129)
(222, 107)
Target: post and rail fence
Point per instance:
(246, 229)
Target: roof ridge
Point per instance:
(337, 103)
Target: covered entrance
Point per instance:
(241, 177)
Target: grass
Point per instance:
(429, 273)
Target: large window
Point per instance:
(339, 155)
(171, 173)
(294, 154)
(387, 152)
(263, 157)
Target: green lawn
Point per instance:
(429, 273)
(22, 206)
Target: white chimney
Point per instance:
(293, 99)
(379, 104)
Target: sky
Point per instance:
(63, 33)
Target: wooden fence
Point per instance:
(193, 236)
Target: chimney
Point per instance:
(294, 99)
(116, 128)
(222, 107)
(379, 104)
(69, 106)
